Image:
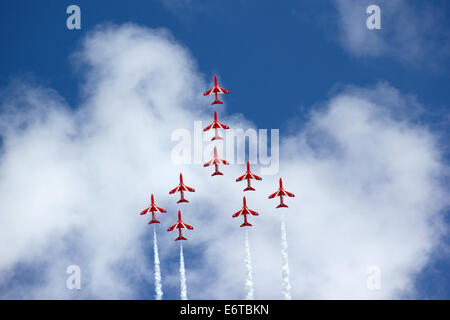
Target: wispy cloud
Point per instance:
(413, 32)
(72, 183)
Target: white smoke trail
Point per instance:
(248, 266)
(158, 286)
(285, 260)
(183, 287)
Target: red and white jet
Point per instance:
(182, 188)
(216, 160)
(153, 208)
(281, 193)
(248, 176)
(245, 211)
(216, 125)
(216, 90)
(180, 225)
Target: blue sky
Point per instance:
(296, 45)
(280, 61)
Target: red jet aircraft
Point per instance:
(245, 211)
(248, 176)
(216, 90)
(216, 160)
(281, 193)
(216, 125)
(180, 225)
(182, 188)
(153, 208)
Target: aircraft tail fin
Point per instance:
(180, 238)
(249, 189)
(182, 200)
(217, 173)
(153, 221)
(282, 205)
(246, 224)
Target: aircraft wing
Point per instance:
(189, 189)
(222, 161)
(160, 209)
(175, 189)
(224, 90)
(210, 91)
(238, 213)
(219, 125)
(275, 194)
(173, 227)
(188, 226)
(209, 163)
(289, 194)
(254, 176)
(208, 127)
(144, 211)
(248, 211)
(244, 176)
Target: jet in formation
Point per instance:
(245, 211)
(216, 90)
(281, 193)
(180, 225)
(248, 176)
(216, 125)
(182, 188)
(216, 160)
(153, 209)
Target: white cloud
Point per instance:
(72, 183)
(411, 32)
